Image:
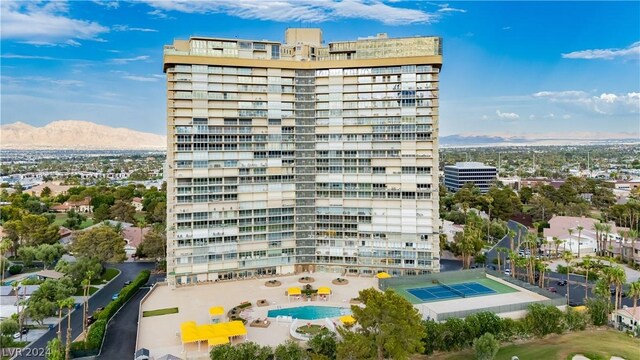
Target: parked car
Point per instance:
(552, 289)
(90, 320)
(507, 272)
(126, 283)
(24, 331)
(115, 296)
(562, 283)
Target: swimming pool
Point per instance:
(310, 312)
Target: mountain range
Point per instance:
(85, 135)
(79, 135)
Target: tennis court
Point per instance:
(443, 292)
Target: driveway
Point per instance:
(129, 271)
(120, 339)
(505, 242)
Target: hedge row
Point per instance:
(126, 293)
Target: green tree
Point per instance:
(123, 211)
(46, 192)
(242, 351)
(35, 230)
(159, 213)
(154, 244)
(54, 350)
(102, 243)
(9, 326)
(324, 343)
(49, 254)
(486, 347)
(101, 213)
(390, 322)
(544, 320)
(27, 254)
(77, 271)
(355, 346)
(634, 292)
(599, 309)
(290, 350)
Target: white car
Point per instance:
(507, 272)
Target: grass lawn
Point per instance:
(310, 330)
(159, 312)
(595, 344)
(92, 290)
(62, 217)
(108, 274)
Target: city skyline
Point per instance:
(510, 67)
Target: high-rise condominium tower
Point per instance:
(301, 156)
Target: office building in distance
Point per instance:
(300, 156)
(456, 176)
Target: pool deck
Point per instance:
(161, 334)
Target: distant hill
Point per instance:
(74, 134)
(573, 138)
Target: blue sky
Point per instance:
(509, 67)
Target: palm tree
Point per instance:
(634, 292)
(570, 231)
(69, 303)
(61, 305)
(597, 227)
(624, 235)
(587, 265)
(86, 283)
(557, 242)
(633, 236)
(579, 228)
(5, 245)
(619, 277)
(512, 262)
(512, 235)
(607, 230)
(499, 252)
(567, 257)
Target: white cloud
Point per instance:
(631, 51)
(531, 117)
(550, 116)
(605, 103)
(158, 14)
(450, 9)
(42, 80)
(566, 116)
(313, 11)
(506, 28)
(128, 28)
(107, 4)
(46, 24)
(141, 78)
(26, 57)
(484, 117)
(507, 116)
(122, 61)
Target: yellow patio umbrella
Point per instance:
(221, 340)
(294, 291)
(324, 290)
(216, 311)
(347, 319)
(383, 275)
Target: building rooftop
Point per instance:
(471, 165)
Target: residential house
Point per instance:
(66, 236)
(137, 203)
(133, 237)
(627, 319)
(81, 206)
(559, 227)
(49, 274)
(55, 186)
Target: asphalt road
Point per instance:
(120, 339)
(101, 298)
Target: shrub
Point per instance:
(95, 334)
(15, 269)
(486, 347)
(575, 320)
(543, 320)
(126, 293)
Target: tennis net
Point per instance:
(455, 291)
